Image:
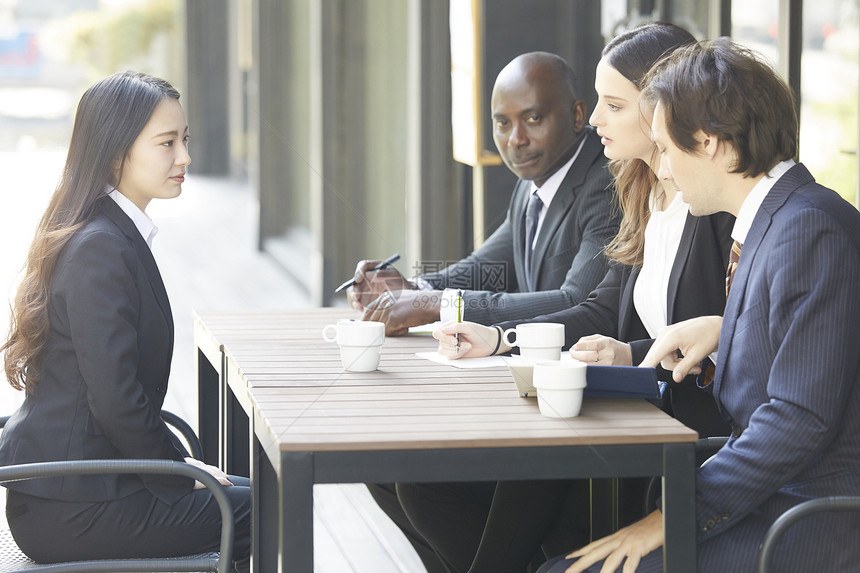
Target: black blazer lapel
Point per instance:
(112, 211)
(565, 196)
(626, 311)
(681, 258)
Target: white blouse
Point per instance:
(662, 237)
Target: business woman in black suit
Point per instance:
(667, 266)
(91, 343)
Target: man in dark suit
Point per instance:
(787, 353)
(539, 127)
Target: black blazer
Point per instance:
(697, 286)
(568, 259)
(104, 369)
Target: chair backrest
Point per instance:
(13, 559)
(792, 516)
(186, 431)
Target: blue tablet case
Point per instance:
(621, 382)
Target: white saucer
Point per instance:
(523, 373)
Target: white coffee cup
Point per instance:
(537, 341)
(360, 343)
(559, 387)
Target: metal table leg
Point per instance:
(297, 513)
(208, 407)
(265, 511)
(679, 508)
(236, 436)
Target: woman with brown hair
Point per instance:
(91, 342)
(666, 266)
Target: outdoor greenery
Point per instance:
(142, 36)
(840, 170)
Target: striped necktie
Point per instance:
(734, 257)
(532, 215)
(708, 368)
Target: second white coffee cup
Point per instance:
(559, 387)
(360, 343)
(537, 341)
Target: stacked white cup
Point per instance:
(559, 384)
(559, 388)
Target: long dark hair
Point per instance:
(633, 54)
(110, 116)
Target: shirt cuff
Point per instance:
(450, 304)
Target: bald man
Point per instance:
(540, 131)
(534, 263)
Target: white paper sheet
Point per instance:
(486, 362)
(424, 328)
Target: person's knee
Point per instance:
(425, 504)
(384, 494)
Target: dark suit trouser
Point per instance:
(139, 525)
(385, 496)
(486, 526)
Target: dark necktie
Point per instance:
(532, 213)
(708, 368)
(734, 257)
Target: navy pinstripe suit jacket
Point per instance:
(787, 376)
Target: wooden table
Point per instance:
(275, 401)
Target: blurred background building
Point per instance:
(322, 134)
(332, 119)
(339, 111)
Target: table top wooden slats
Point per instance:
(307, 402)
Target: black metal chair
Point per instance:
(793, 515)
(12, 559)
(707, 447)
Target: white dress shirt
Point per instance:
(145, 226)
(547, 191)
(754, 199)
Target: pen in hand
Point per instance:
(390, 260)
(459, 319)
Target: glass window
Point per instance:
(829, 99)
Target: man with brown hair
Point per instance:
(787, 353)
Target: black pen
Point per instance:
(390, 260)
(459, 317)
